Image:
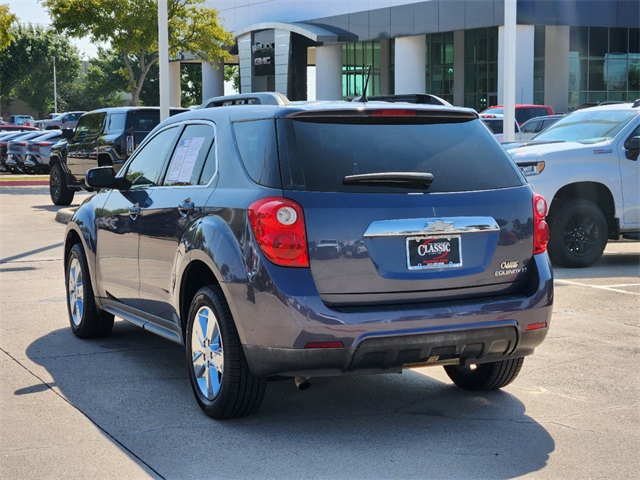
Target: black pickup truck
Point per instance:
(107, 136)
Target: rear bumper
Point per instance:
(275, 328)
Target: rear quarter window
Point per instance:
(462, 156)
(256, 142)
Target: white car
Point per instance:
(495, 122)
(586, 166)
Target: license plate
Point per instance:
(433, 252)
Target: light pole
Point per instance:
(55, 88)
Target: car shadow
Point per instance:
(610, 265)
(135, 386)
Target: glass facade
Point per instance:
(481, 67)
(356, 59)
(604, 64)
(538, 65)
(439, 71)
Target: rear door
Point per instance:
(468, 234)
(176, 203)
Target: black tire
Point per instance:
(220, 377)
(486, 376)
(59, 191)
(87, 321)
(578, 234)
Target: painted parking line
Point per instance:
(612, 288)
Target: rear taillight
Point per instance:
(278, 225)
(540, 227)
(130, 146)
(43, 144)
(21, 144)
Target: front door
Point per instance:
(120, 221)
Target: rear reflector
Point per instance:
(536, 326)
(324, 345)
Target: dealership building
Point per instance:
(568, 52)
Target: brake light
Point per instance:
(279, 228)
(21, 144)
(395, 112)
(43, 144)
(540, 227)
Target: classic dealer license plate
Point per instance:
(433, 252)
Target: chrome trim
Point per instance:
(430, 226)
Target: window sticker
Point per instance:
(184, 160)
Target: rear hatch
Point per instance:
(363, 179)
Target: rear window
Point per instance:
(462, 156)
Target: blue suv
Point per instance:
(316, 239)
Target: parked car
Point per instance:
(532, 127)
(102, 137)
(523, 112)
(39, 151)
(586, 164)
(26, 120)
(16, 128)
(17, 149)
(63, 120)
(203, 237)
(495, 122)
(4, 148)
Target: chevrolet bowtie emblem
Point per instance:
(438, 226)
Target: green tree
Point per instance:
(6, 20)
(101, 86)
(26, 66)
(131, 28)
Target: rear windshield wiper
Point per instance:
(391, 179)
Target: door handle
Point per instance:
(186, 207)
(134, 211)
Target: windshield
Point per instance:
(588, 126)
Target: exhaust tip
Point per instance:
(302, 383)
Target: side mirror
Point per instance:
(632, 148)
(67, 133)
(100, 177)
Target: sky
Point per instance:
(31, 11)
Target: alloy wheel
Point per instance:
(76, 292)
(581, 235)
(207, 353)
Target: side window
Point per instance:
(115, 123)
(97, 121)
(189, 157)
(532, 127)
(84, 125)
(147, 164)
(256, 141)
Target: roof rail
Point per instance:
(257, 98)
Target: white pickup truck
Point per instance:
(586, 167)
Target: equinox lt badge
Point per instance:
(509, 268)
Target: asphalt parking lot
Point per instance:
(122, 407)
